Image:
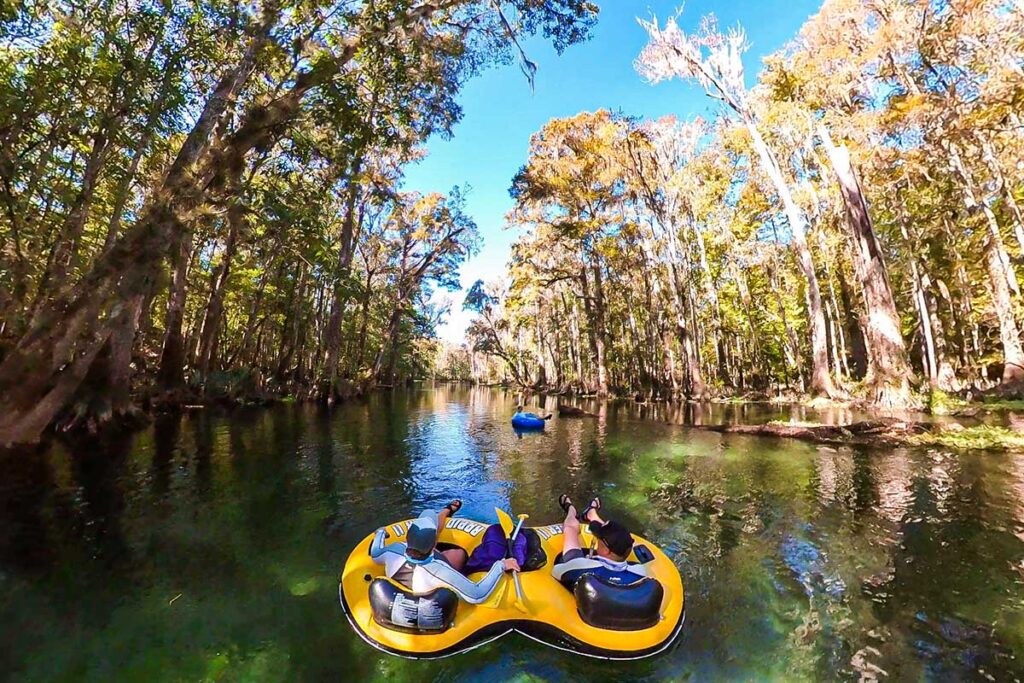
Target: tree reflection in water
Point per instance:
(209, 544)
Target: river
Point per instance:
(207, 547)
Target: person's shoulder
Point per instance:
(609, 562)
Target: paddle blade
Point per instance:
(519, 603)
(519, 525)
(505, 519)
(497, 596)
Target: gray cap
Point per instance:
(422, 534)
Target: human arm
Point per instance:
(472, 592)
(378, 550)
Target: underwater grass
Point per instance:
(982, 437)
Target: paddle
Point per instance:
(511, 531)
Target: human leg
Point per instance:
(456, 557)
(571, 539)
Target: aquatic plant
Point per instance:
(981, 437)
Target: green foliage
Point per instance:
(477, 299)
(941, 403)
(662, 254)
(255, 151)
(1003, 405)
(231, 384)
(982, 437)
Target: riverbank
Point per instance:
(954, 422)
(889, 432)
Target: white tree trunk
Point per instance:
(821, 379)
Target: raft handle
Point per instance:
(643, 554)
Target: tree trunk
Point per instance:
(364, 315)
(854, 330)
(717, 343)
(340, 292)
(792, 345)
(888, 365)
(1002, 279)
(836, 352)
(389, 343)
(940, 372)
(600, 324)
(974, 202)
(122, 342)
(945, 375)
(588, 310)
(45, 368)
(542, 374)
(989, 155)
(171, 374)
(1002, 302)
(755, 362)
(218, 288)
(149, 129)
(70, 235)
(290, 331)
(695, 386)
(821, 379)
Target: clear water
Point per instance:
(208, 547)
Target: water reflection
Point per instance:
(1017, 496)
(207, 546)
(25, 487)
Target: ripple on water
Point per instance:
(800, 563)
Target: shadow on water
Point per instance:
(208, 546)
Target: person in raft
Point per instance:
(614, 543)
(519, 411)
(418, 565)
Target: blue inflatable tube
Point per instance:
(527, 421)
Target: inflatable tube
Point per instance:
(527, 421)
(595, 619)
(398, 609)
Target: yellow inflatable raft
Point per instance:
(597, 620)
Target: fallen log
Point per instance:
(889, 430)
(573, 411)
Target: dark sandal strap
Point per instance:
(583, 515)
(565, 502)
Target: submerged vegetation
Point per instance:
(209, 546)
(982, 437)
(848, 226)
(885, 432)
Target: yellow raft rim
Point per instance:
(550, 616)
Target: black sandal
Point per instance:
(595, 504)
(453, 507)
(565, 502)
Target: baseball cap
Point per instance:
(615, 536)
(422, 534)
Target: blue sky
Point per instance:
(500, 113)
